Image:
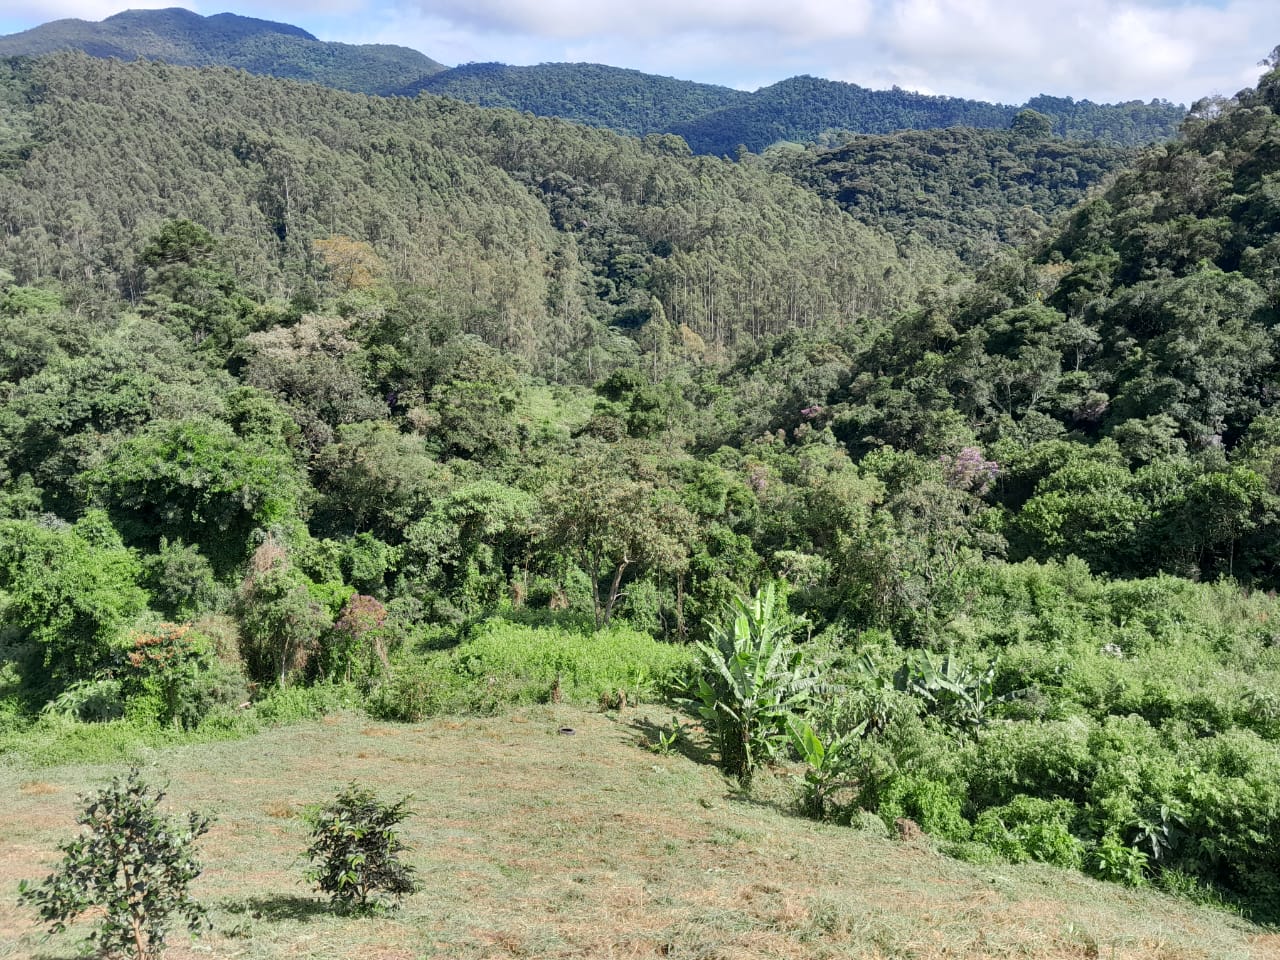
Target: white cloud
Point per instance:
(796, 20)
(1006, 50)
(1098, 49)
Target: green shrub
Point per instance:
(506, 663)
(1050, 759)
(1028, 828)
(934, 805)
(305, 703)
(356, 851)
(171, 676)
(419, 687)
(1113, 859)
(132, 864)
(527, 661)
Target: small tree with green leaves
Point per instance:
(356, 850)
(133, 863)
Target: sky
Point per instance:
(1005, 51)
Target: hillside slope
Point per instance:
(962, 189)
(519, 224)
(184, 38)
(532, 843)
(626, 101)
(716, 120)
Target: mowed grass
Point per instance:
(532, 843)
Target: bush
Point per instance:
(505, 663)
(172, 677)
(934, 805)
(356, 851)
(1028, 828)
(133, 864)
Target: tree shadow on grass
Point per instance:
(277, 908)
(696, 750)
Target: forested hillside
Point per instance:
(713, 120)
(625, 101)
(962, 189)
(803, 109)
(717, 121)
(313, 398)
(532, 233)
(184, 38)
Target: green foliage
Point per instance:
(1028, 828)
(172, 677)
(751, 681)
(958, 693)
(72, 590)
(503, 663)
(194, 480)
(356, 851)
(827, 763)
(282, 620)
(934, 805)
(132, 864)
(962, 189)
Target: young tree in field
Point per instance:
(356, 850)
(133, 867)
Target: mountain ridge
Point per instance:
(713, 120)
(265, 47)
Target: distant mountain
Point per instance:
(802, 109)
(625, 101)
(716, 120)
(259, 46)
(713, 120)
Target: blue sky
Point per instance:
(1004, 50)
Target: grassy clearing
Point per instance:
(532, 843)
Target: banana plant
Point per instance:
(826, 764)
(753, 679)
(960, 694)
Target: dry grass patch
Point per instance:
(38, 788)
(532, 844)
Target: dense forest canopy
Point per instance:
(439, 404)
(719, 121)
(625, 101)
(530, 232)
(962, 189)
(805, 109)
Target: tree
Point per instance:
(281, 621)
(613, 524)
(132, 863)
(356, 850)
(190, 292)
(1032, 123)
(196, 481)
(74, 590)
